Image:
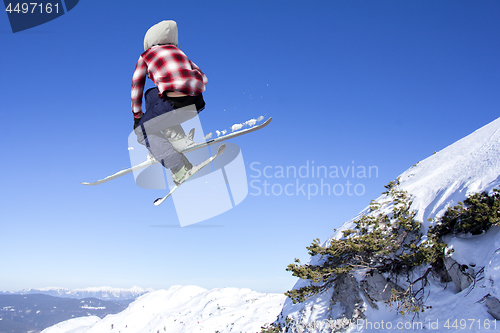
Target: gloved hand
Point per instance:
(137, 118)
(136, 122)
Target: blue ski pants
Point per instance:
(160, 114)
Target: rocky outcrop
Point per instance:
(493, 305)
(377, 288)
(458, 273)
(347, 293)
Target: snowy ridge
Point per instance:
(104, 293)
(468, 166)
(185, 309)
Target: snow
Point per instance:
(88, 307)
(249, 123)
(471, 250)
(237, 127)
(186, 309)
(75, 325)
(468, 166)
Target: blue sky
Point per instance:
(348, 83)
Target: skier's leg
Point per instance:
(160, 115)
(164, 152)
(173, 133)
(162, 149)
(185, 108)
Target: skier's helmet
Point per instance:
(163, 33)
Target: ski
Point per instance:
(124, 172)
(191, 173)
(227, 136)
(195, 146)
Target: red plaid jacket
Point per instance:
(170, 69)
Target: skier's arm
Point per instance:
(196, 68)
(138, 81)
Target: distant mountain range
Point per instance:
(33, 313)
(102, 293)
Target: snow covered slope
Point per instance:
(185, 309)
(470, 165)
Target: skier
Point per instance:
(176, 98)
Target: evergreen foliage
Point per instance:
(271, 328)
(389, 240)
(475, 215)
(385, 241)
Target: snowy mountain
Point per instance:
(103, 293)
(469, 303)
(185, 309)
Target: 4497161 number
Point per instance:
(462, 324)
(32, 8)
